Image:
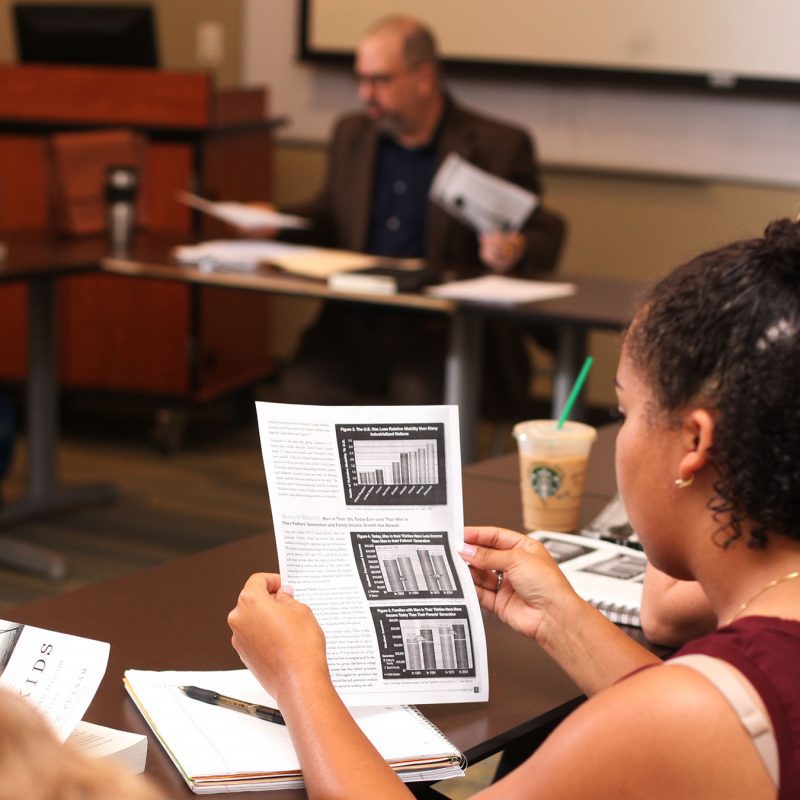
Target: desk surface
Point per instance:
(32, 256)
(598, 303)
(151, 258)
(174, 617)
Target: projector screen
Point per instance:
(720, 43)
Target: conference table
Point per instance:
(39, 261)
(597, 304)
(173, 616)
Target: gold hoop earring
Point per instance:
(684, 484)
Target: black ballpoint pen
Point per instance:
(215, 699)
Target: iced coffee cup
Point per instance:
(552, 465)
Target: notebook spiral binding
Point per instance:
(617, 612)
(462, 759)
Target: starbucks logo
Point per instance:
(545, 481)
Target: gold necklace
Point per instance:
(788, 577)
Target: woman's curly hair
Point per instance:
(723, 331)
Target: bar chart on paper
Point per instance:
(405, 564)
(415, 569)
(431, 645)
(393, 464)
(396, 462)
(417, 641)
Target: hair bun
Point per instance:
(782, 237)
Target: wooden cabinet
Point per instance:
(134, 334)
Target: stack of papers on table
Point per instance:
(218, 750)
(238, 254)
(502, 290)
(98, 741)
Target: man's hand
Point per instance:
(502, 250)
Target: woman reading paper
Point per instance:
(707, 463)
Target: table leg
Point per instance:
(462, 377)
(44, 495)
(570, 355)
(42, 394)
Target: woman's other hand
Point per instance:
(277, 637)
(531, 583)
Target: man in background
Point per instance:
(381, 163)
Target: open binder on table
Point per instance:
(607, 575)
(217, 750)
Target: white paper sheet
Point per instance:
(98, 741)
(501, 289)
(243, 215)
(482, 201)
(368, 517)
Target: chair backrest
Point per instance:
(552, 232)
(80, 161)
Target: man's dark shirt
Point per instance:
(400, 199)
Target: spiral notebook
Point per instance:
(609, 576)
(218, 750)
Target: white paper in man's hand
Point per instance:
(480, 200)
(243, 215)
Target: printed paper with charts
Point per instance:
(368, 516)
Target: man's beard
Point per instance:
(390, 123)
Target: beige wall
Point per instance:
(625, 226)
(643, 227)
(177, 22)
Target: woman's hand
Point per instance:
(276, 636)
(532, 584)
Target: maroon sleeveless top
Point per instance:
(766, 650)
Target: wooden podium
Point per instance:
(134, 334)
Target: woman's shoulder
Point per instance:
(661, 732)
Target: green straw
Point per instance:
(576, 390)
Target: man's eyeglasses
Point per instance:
(378, 79)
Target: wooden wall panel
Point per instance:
(125, 334)
(233, 340)
(138, 335)
(168, 169)
(105, 96)
(248, 176)
(24, 182)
